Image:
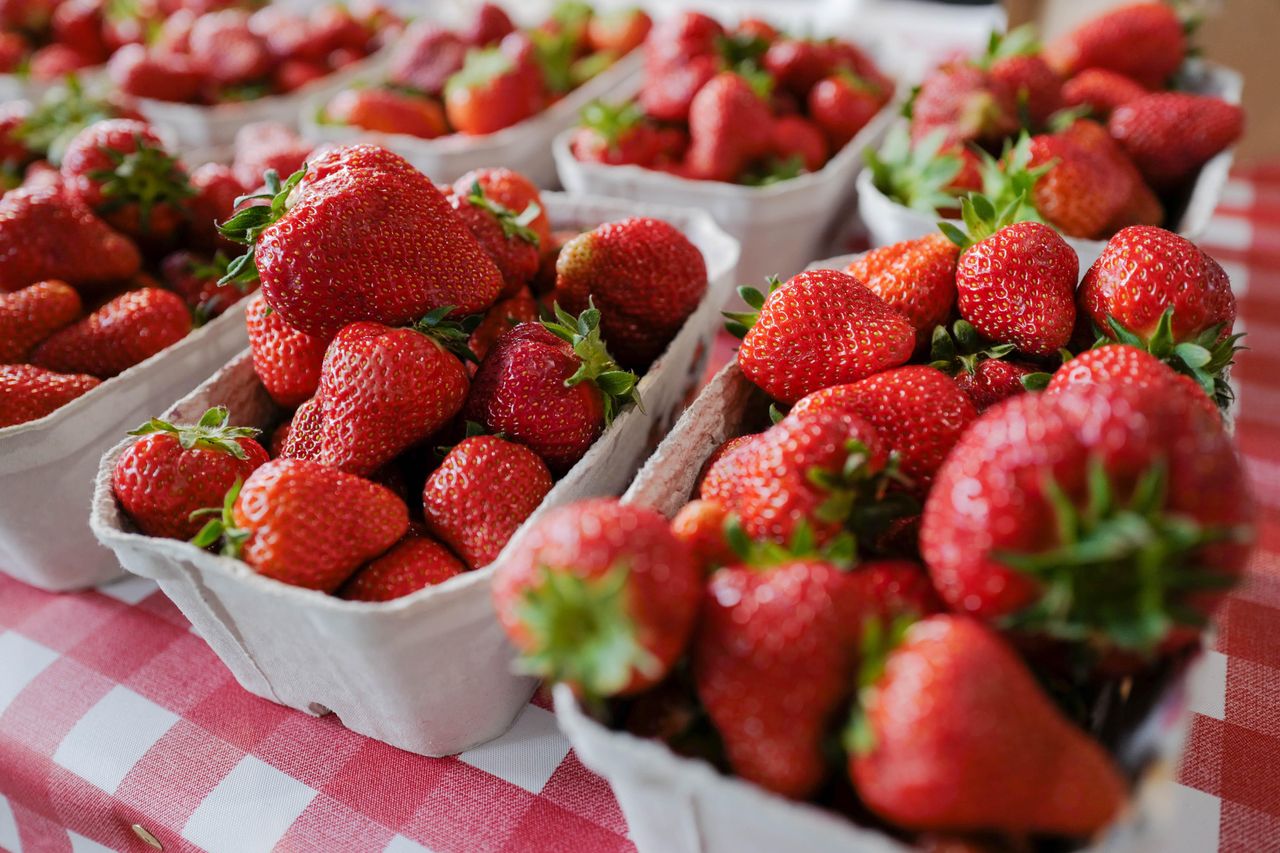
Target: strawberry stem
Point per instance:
(596, 365)
(210, 433)
(223, 527)
(247, 224)
(1205, 357)
(148, 176)
(513, 225)
(453, 335)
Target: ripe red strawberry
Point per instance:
(287, 361)
(78, 24)
(914, 277)
(1127, 364)
(615, 134)
(129, 329)
(292, 74)
(305, 524)
(47, 234)
(797, 64)
(214, 200)
(601, 596)
(1009, 525)
(488, 26)
(387, 111)
(196, 280)
(729, 126)
(482, 492)
(1083, 189)
(917, 411)
(680, 38)
(383, 390)
(414, 563)
(645, 277)
(966, 103)
(28, 393)
(163, 76)
(1143, 41)
(173, 471)
(302, 441)
(505, 315)
(841, 105)
(772, 699)
(552, 386)
(55, 61)
(1100, 90)
(701, 526)
(30, 315)
(504, 234)
(889, 589)
(668, 93)
(794, 136)
(425, 57)
(619, 31)
(991, 380)
(820, 328)
(391, 248)
(1142, 207)
(1015, 283)
(263, 146)
(1033, 83)
(492, 92)
(720, 478)
(1170, 135)
(224, 48)
(925, 757)
(13, 49)
(513, 191)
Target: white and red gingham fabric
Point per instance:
(113, 713)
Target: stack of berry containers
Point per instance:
(430, 672)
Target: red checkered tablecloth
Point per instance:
(113, 713)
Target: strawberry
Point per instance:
(841, 105)
(195, 279)
(13, 50)
(915, 277)
(917, 411)
(797, 64)
(645, 277)
(1128, 364)
(619, 31)
(28, 393)
(1170, 135)
(820, 328)
(668, 93)
(1012, 527)
(1079, 189)
(991, 380)
(224, 48)
(492, 92)
(504, 234)
(720, 479)
(675, 40)
(617, 135)
(1015, 283)
(796, 137)
(302, 440)
(164, 77)
(425, 57)
(214, 200)
(393, 249)
(414, 563)
(888, 589)
(387, 111)
(1143, 41)
(15, 152)
(55, 61)
(293, 74)
(966, 103)
(513, 191)
(729, 126)
(383, 390)
(266, 146)
(773, 659)
(1014, 61)
(502, 317)
(551, 386)
(30, 315)
(755, 28)
(701, 526)
(488, 26)
(127, 330)
(305, 524)
(1100, 90)
(922, 174)
(482, 492)
(47, 234)
(120, 169)
(601, 596)
(287, 361)
(1142, 207)
(172, 471)
(924, 755)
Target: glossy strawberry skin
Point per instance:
(30, 315)
(916, 277)
(414, 563)
(216, 189)
(287, 361)
(668, 93)
(1100, 90)
(505, 315)
(841, 108)
(515, 256)
(223, 47)
(1032, 81)
(1170, 135)
(719, 480)
(482, 492)
(1084, 191)
(967, 103)
(507, 96)
(701, 526)
(127, 330)
(165, 77)
(1129, 365)
(513, 191)
(794, 136)
(679, 38)
(992, 380)
(729, 126)
(1143, 41)
(28, 393)
(388, 111)
(822, 328)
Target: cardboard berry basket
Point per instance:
(525, 147)
(430, 673)
(675, 804)
(781, 227)
(888, 222)
(47, 465)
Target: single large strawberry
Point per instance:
(287, 361)
(645, 277)
(797, 139)
(615, 134)
(842, 105)
(925, 756)
(1014, 62)
(1029, 532)
(175, 470)
(701, 525)
(387, 111)
(482, 492)
(503, 233)
(224, 48)
(216, 191)
(414, 563)
(820, 328)
(141, 73)
(129, 329)
(720, 478)
(28, 392)
(1101, 91)
(1142, 207)
(729, 126)
(513, 191)
(667, 94)
(390, 248)
(30, 315)
(1143, 41)
(1128, 364)
(1170, 135)
(492, 91)
(46, 234)
(966, 104)
(425, 57)
(602, 596)
(916, 277)
(552, 386)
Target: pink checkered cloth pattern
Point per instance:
(113, 713)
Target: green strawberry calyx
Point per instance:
(61, 114)
(961, 349)
(480, 67)
(1011, 180)
(916, 176)
(1204, 357)
(580, 631)
(740, 322)
(612, 121)
(596, 365)
(223, 527)
(878, 642)
(211, 432)
(452, 334)
(514, 225)
(247, 224)
(148, 177)
(841, 551)
(1123, 567)
(1020, 41)
(982, 220)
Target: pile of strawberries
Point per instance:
(913, 596)
(487, 75)
(744, 105)
(1088, 129)
(425, 410)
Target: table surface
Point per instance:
(114, 713)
